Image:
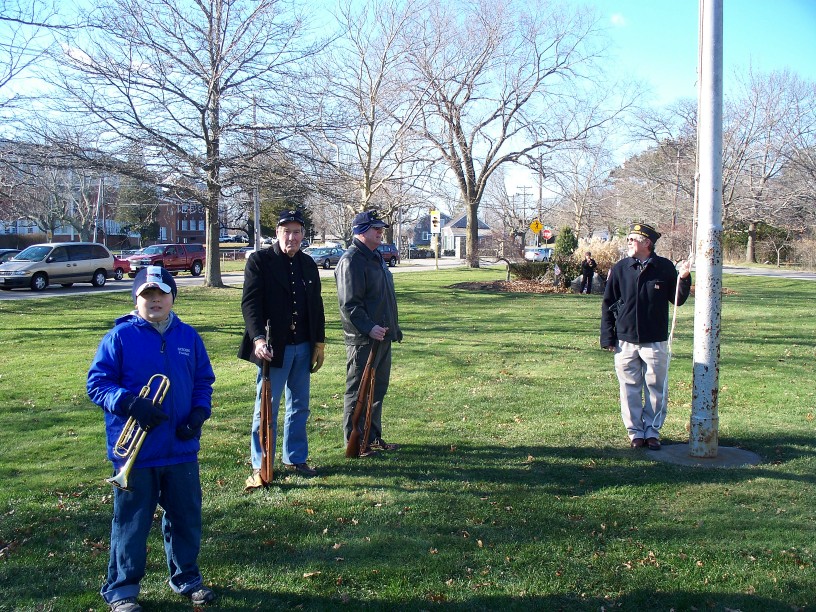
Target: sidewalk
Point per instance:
(771, 272)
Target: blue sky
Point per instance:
(657, 40)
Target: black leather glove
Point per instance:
(146, 414)
(192, 428)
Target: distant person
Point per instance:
(153, 340)
(368, 312)
(634, 325)
(282, 286)
(587, 272)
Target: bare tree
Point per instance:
(762, 145)
(188, 82)
(508, 214)
(25, 38)
(583, 174)
(660, 183)
(505, 79)
(368, 108)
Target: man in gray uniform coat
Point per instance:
(368, 311)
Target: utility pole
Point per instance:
(524, 189)
(100, 206)
(704, 425)
(540, 191)
(256, 200)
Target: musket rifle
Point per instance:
(266, 433)
(358, 440)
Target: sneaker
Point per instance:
(382, 445)
(128, 604)
(254, 481)
(301, 468)
(201, 595)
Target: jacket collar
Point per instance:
(375, 255)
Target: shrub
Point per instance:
(565, 243)
(529, 270)
(570, 268)
(606, 253)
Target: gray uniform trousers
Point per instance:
(356, 357)
(642, 371)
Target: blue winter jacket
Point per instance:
(127, 357)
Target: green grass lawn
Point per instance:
(514, 488)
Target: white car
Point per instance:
(538, 253)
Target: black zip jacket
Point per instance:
(635, 305)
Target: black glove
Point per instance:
(146, 414)
(192, 428)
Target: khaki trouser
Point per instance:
(642, 370)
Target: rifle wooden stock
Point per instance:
(365, 398)
(266, 432)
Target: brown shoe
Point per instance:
(637, 443)
(381, 445)
(301, 468)
(653, 443)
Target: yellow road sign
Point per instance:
(536, 226)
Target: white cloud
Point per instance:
(618, 20)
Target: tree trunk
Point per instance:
(212, 266)
(750, 249)
(472, 242)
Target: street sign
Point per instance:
(535, 226)
(546, 234)
(435, 226)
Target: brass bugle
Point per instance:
(132, 436)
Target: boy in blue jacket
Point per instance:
(153, 340)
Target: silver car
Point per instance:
(325, 256)
(538, 253)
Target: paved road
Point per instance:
(773, 272)
(414, 265)
(184, 279)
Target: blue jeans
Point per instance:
(177, 489)
(294, 378)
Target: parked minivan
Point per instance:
(63, 263)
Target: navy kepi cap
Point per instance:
(365, 220)
(291, 216)
(642, 229)
(153, 277)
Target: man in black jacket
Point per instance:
(634, 325)
(368, 311)
(282, 286)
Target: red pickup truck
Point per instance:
(174, 257)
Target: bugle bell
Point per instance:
(132, 436)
